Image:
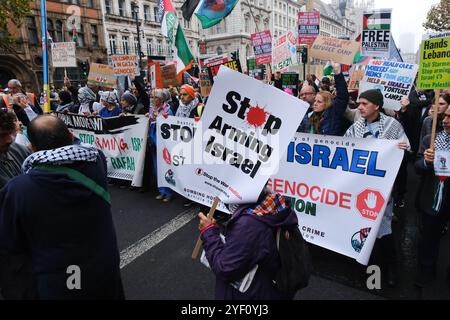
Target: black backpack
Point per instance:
(296, 265)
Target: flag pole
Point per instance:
(45, 56)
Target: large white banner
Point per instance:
(63, 54)
(393, 79)
(245, 129)
(339, 187)
(122, 139)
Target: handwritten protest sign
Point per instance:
(393, 79)
(376, 34)
(205, 84)
(63, 54)
(285, 52)
(169, 75)
(434, 67)
(122, 139)
(262, 45)
(102, 75)
(356, 75)
(125, 65)
(308, 27)
(337, 50)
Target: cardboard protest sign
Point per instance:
(205, 84)
(289, 80)
(308, 27)
(123, 140)
(125, 65)
(434, 67)
(285, 52)
(63, 54)
(393, 79)
(102, 75)
(356, 75)
(340, 198)
(169, 76)
(337, 50)
(244, 131)
(376, 33)
(232, 64)
(262, 46)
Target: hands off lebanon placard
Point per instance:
(244, 130)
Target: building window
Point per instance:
(156, 14)
(80, 36)
(108, 6)
(59, 31)
(219, 50)
(112, 44)
(90, 3)
(159, 47)
(149, 46)
(51, 29)
(246, 24)
(134, 10)
(122, 8)
(32, 30)
(94, 34)
(147, 15)
(187, 24)
(125, 45)
(136, 45)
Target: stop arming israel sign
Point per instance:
(245, 129)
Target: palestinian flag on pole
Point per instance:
(183, 55)
(168, 19)
(211, 12)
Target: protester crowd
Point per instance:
(37, 242)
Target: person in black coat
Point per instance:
(64, 226)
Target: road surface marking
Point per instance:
(138, 248)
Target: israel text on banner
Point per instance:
(393, 79)
(308, 27)
(244, 132)
(337, 50)
(376, 33)
(434, 67)
(63, 54)
(262, 46)
(122, 139)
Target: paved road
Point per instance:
(156, 240)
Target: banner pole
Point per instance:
(45, 56)
(198, 245)
(437, 93)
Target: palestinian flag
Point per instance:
(183, 55)
(167, 17)
(211, 12)
(377, 21)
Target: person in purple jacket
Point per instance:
(249, 242)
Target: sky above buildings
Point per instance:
(407, 19)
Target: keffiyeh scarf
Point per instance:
(442, 142)
(60, 156)
(184, 111)
(389, 128)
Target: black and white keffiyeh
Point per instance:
(441, 142)
(389, 129)
(64, 155)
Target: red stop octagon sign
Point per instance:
(369, 203)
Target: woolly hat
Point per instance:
(189, 89)
(128, 97)
(374, 95)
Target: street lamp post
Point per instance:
(136, 16)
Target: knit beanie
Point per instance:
(374, 95)
(130, 98)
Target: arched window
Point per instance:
(248, 51)
(59, 30)
(219, 50)
(51, 29)
(246, 23)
